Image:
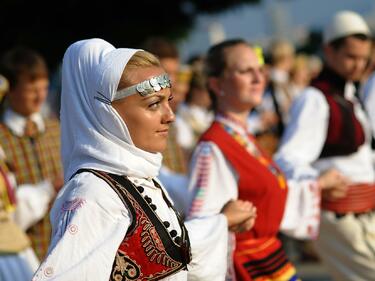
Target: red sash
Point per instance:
(359, 199)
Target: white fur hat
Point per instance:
(345, 23)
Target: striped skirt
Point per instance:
(262, 260)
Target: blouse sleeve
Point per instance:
(213, 182)
(89, 222)
(301, 217)
(209, 241)
(307, 131)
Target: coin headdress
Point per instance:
(146, 87)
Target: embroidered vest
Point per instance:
(257, 183)
(148, 251)
(345, 133)
(33, 160)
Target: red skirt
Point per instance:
(261, 260)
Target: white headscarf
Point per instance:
(93, 133)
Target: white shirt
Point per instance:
(89, 221)
(16, 122)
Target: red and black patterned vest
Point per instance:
(257, 183)
(148, 251)
(345, 133)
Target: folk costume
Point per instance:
(113, 220)
(32, 148)
(329, 129)
(228, 164)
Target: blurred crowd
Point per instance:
(315, 120)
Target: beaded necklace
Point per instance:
(249, 144)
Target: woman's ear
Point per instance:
(214, 85)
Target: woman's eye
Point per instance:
(154, 104)
(170, 98)
(244, 71)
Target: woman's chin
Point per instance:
(251, 103)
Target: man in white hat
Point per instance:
(328, 133)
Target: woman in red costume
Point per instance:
(228, 164)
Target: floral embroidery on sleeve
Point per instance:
(202, 182)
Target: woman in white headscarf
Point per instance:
(113, 220)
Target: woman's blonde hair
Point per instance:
(141, 59)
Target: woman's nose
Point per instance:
(168, 115)
(258, 76)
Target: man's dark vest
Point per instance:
(345, 133)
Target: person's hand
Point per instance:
(333, 184)
(240, 215)
(246, 225)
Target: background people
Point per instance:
(228, 164)
(30, 142)
(196, 111)
(272, 113)
(329, 133)
(17, 259)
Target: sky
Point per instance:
(290, 19)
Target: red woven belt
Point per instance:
(359, 199)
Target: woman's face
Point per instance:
(147, 118)
(242, 83)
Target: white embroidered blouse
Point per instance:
(89, 221)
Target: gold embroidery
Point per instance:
(125, 268)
